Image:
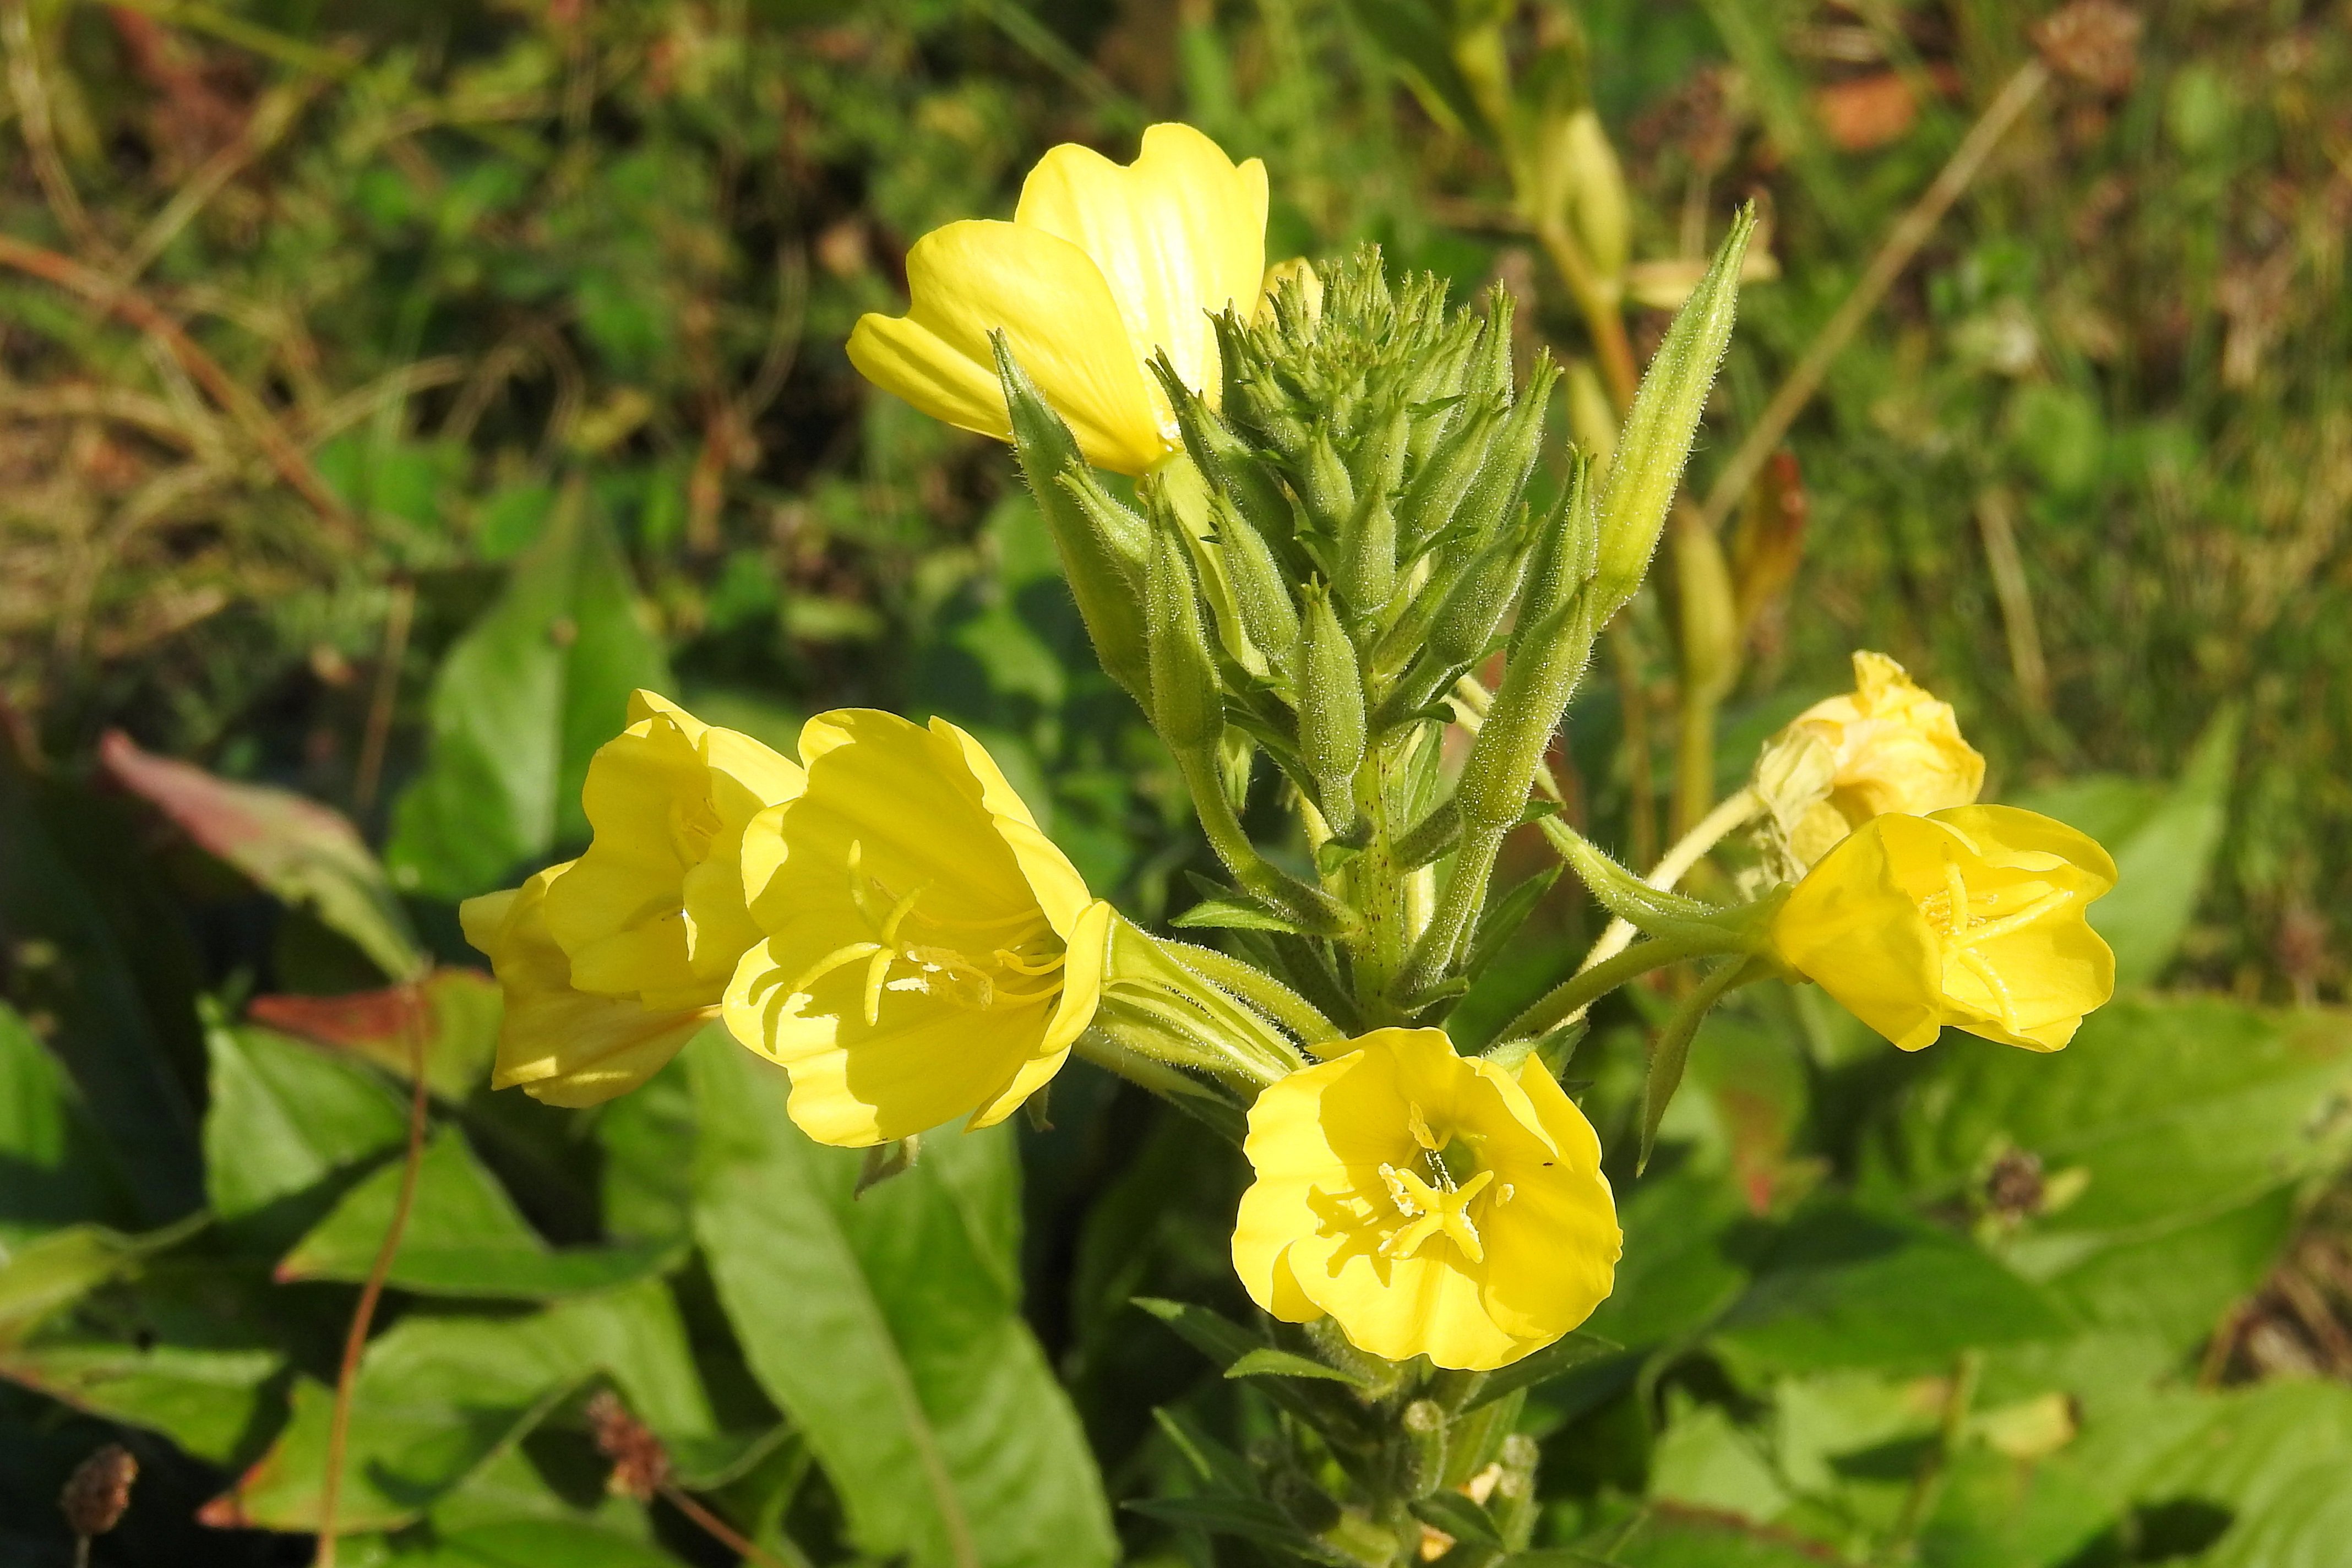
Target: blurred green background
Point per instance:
(384, 390)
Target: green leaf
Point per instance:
(1268, 1362)
(1845, 1286)
(1459, 1516)
(2274, 1457)
(1233, 912)
(465, 1237)
(45, 1276)
(460, 1020)
(204, 1400)
(1245, 1518)
(1555, 1359)
(2171, 1109)
(2163, 853)
(1678, 1270)
(57, 1170)
(1668, 1538)
(536, 1543)
(520, 704)
(437, 1398)
(304, 853)
(888, 1328)
(69, 949)
(284, 1118)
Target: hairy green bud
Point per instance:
(1367, 561)
(1260, 592)
(1330, 707)
(1656, 441)
(1324, 486)
(1102, 550)
(1187, 702)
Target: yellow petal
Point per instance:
(1850, 927)
(1179, 234)
(1060, 323)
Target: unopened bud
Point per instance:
(1187, 702)
(1292, 287)
(1367, 556)
(1226, 461)
(1259, 590)
(1324, 487)
(1424, 1423)
(1664, 420)
(1101, 555)
(1597, 205)
(1330, 709)
(1437, 489)
(1707, 614)
(1494, 493)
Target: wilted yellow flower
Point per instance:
(610, 963)
(1885, 746)
(929, 952)
(1433, 1205)
(1973, 917)
(654, 909)
(1101, 266)
(562, 1045)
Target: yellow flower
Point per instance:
(929, 951)
(1433, 1205)
(1887, 746)
(566, 1046)
(654, 909)
(611, 961)
(1100, 266)
(1973, 917)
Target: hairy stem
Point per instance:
(1735, 811)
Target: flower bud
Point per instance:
(1285, 281)
(1367, 564)
(1511, 456)
(1102, 561)
(1330, 709)
(1438, 485)
(1187, 703)
(1324, 487)
(1225, 459)
(1260, 592)
(1658, 431)
(1596, 194)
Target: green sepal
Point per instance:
(1260, 594)
(1103, 564)
(1366, 572)
(1330, 707)
(1225, 459)
(1187, 702)
(1670, 1053)
(1440, 483)
(1224, 910)
(1324, 485)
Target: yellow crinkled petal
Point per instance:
(1179, 234)
(1854, 931)
(856, 1084)
(1552, 1248)
(563, 1046)
(1400, 1308)
(1060, 322)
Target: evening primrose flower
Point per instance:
(1102, 266)
(1429, 1204)
(928, 953)
(610, 963)
(1973, 917)
(655, 910)
(563, 1045)
(1886, 746)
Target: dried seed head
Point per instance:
(2013, 1187)
(99, 1490)
(640, 1463)
(2096, 42)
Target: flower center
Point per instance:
(1433, 1194)
(693, 826)
(1968, 920)
(961, 964)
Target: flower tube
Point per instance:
(1429, 1204)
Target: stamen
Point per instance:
(840, 957)
(1020, 965)
(1955, 890)
(1976, 965)
(2056, 899)
(1419, 1126)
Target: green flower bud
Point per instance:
(1260, 591)
(1324, 486)
(1330, 709)
(1225, 459)
(1664, 418)
(1494, 493)
(1378, 462)
(1367, 563)
(1187, 702)
(1438, 487)
(1490, 368)
(1103, 551)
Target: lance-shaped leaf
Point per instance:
(888, 1328)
